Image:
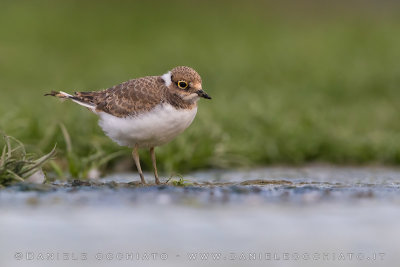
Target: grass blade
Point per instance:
(39, 162)
(67, 138)
(15, 176)
(3, 156)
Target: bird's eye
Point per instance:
(182, 84)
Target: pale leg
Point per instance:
(153, 159)
(135, 155)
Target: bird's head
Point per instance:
(186, 83)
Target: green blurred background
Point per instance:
(292, 83)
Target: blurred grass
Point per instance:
(291, 83)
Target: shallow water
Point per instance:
(314, 216)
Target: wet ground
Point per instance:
(311, 216)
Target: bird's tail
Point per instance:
(59, 94)
(76, 99)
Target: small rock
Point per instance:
(37, 178)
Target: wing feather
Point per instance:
(128, 98)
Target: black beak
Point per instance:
(203, 94)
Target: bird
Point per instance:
(146, 112)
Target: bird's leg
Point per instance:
(135, 155)
(153, 159)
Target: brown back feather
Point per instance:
(128, 98)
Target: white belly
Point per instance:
(154, 128)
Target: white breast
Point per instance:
(153, 128)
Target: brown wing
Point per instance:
(128, 98)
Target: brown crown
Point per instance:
(185, 73)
